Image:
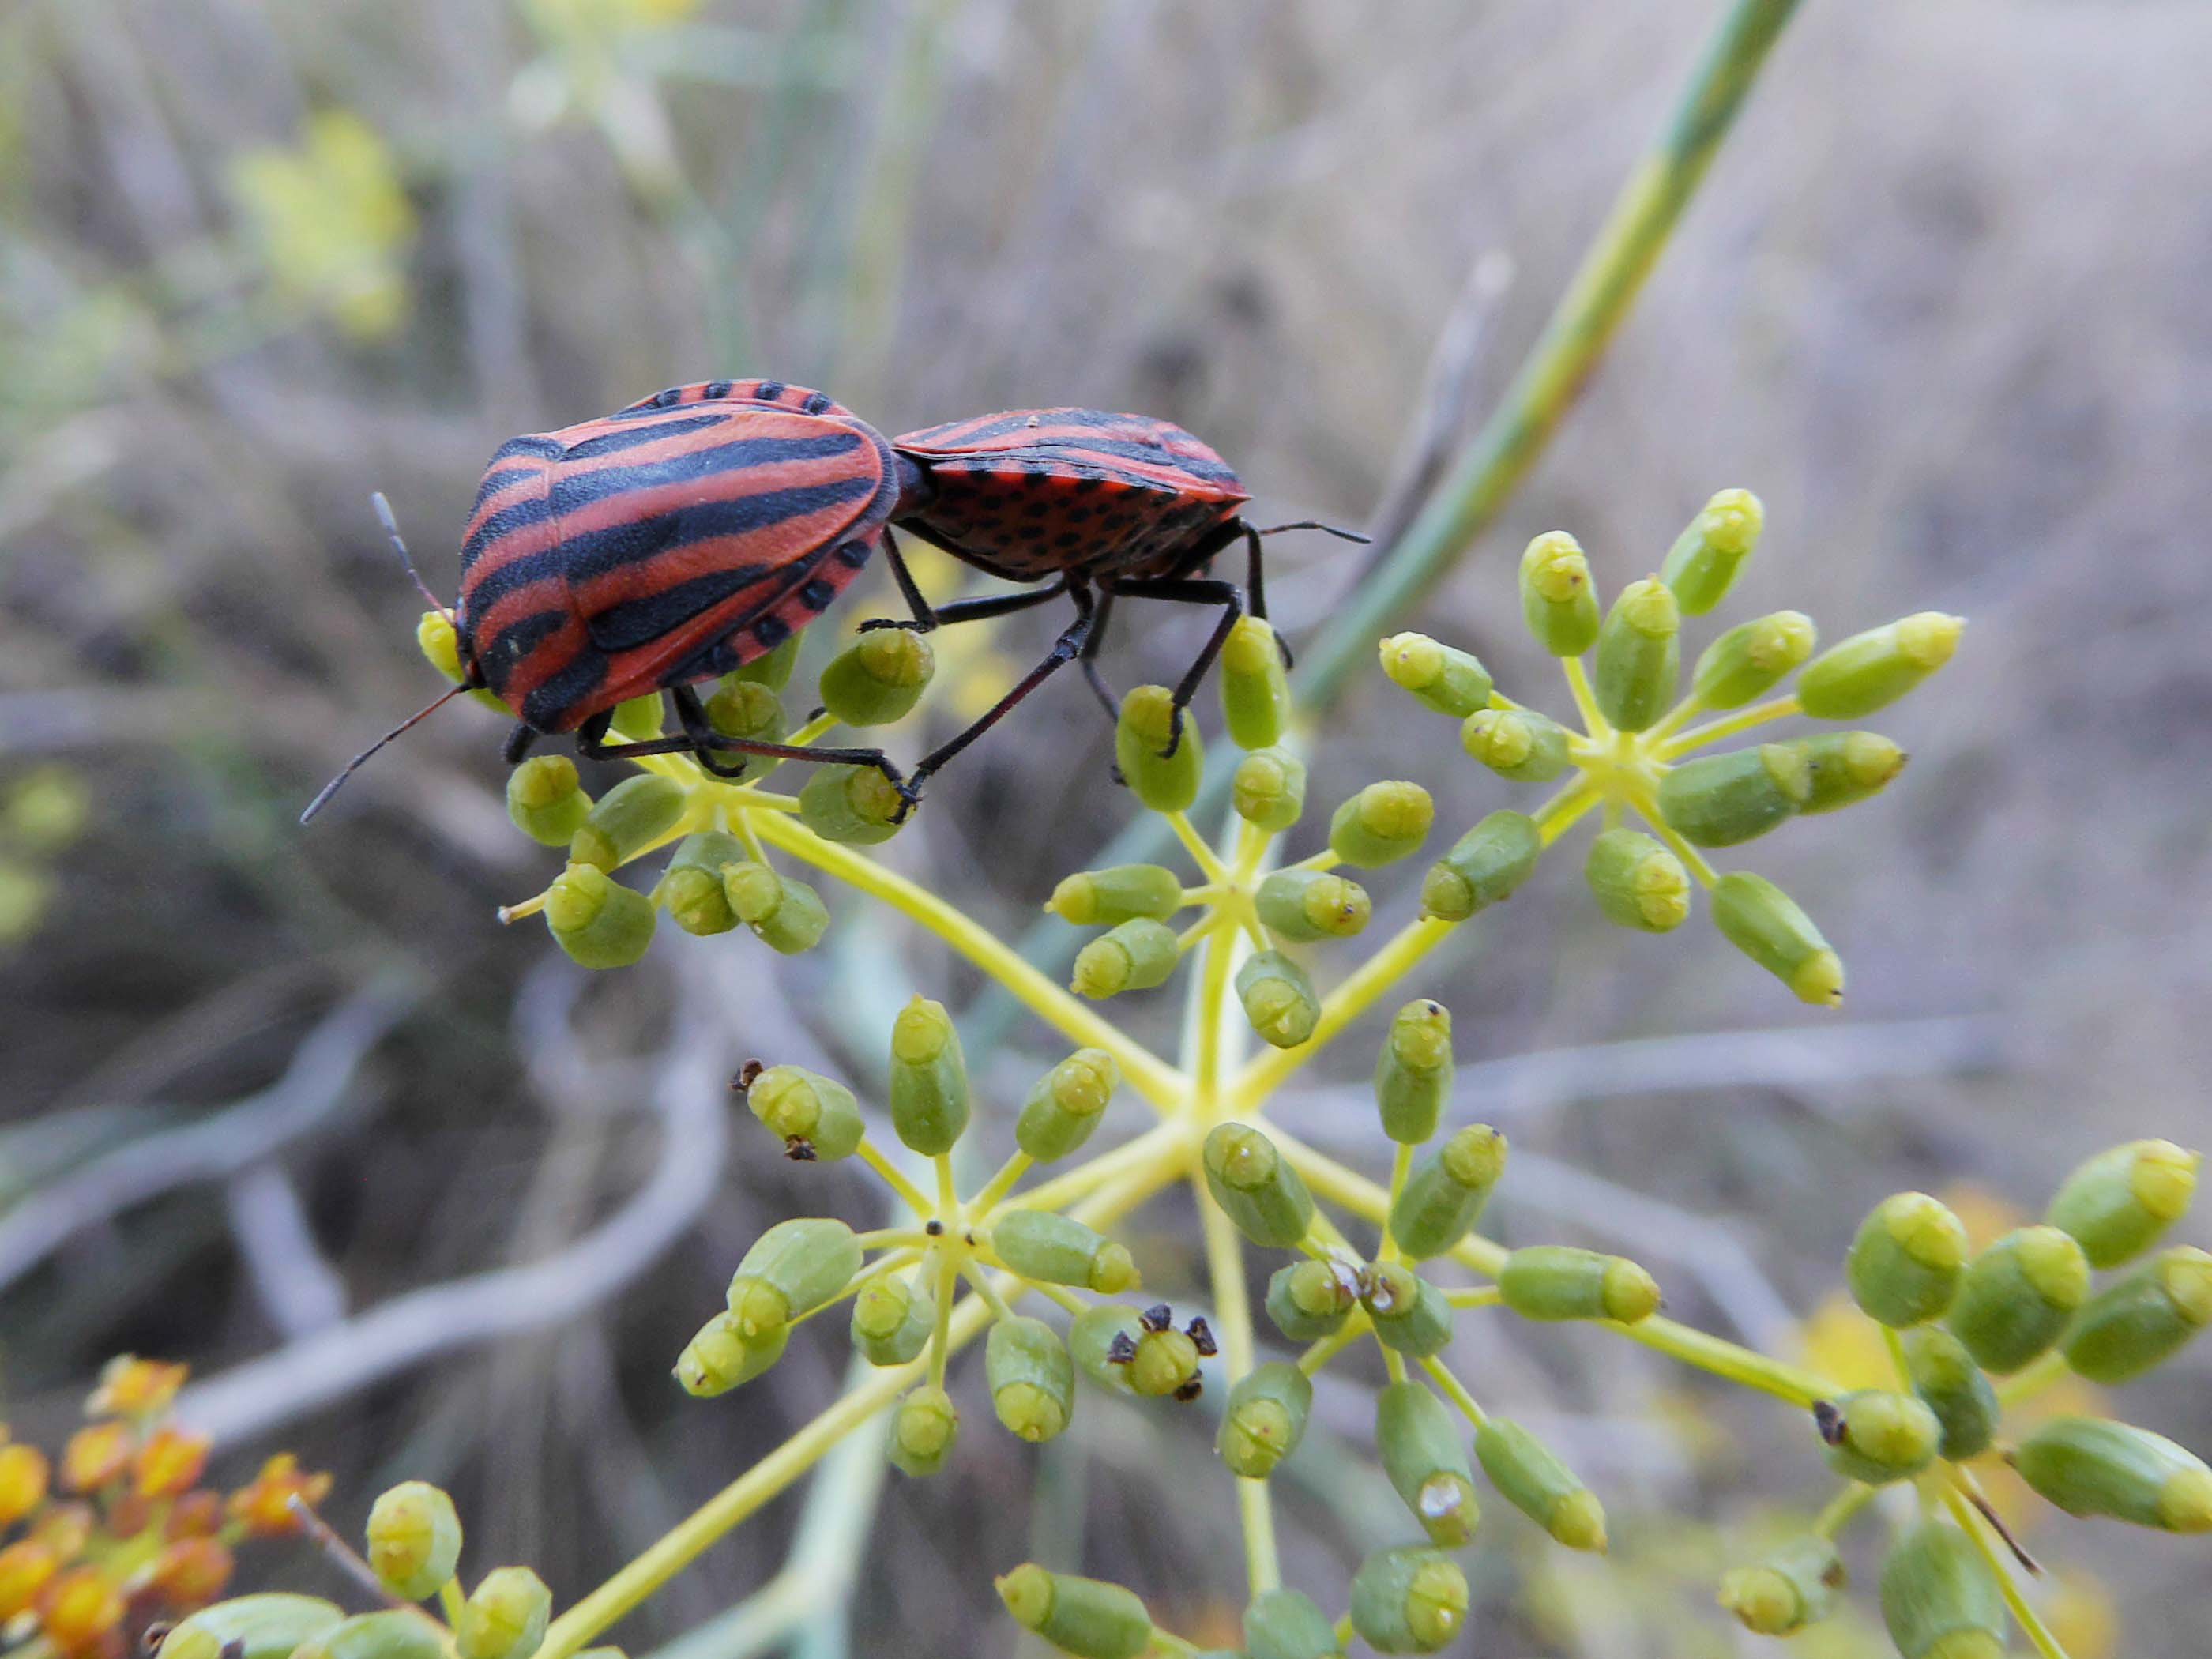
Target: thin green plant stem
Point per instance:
(1759, 714)
(894, 1178)
(1998, 1558)
(1455, 1390)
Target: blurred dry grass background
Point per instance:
(1942, 305)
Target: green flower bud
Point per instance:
(1558, 1281)
(1449, 681)
(2116, 1204)
(1723, 799)
(1165, 1363)
(1284, 1624)
(1637, 882)
(545, 799)
(626, 820)
(929, 1079)
(792, 1269)
(1164, 782)
(1265, 1420)
(1873, 670)
(1065, 1104)
(1408, 1601)
(1639, 655)
(1529, 1476)
(878, 678)
(772, 670)
(1905, 1263)
(414, 1540)
(1484, 866)
(1255, 691)
(599, 922)
(1255, 1186)
(1443, 1197)
(2089, 1467)
(815, 1119)
(393, 1633)
(1878, 1435)
(1939, 1599)
(2017, 1296)
(1100, 1332)
(1278, 999)
(1752, 658)
(1952, 1386)
(923, 1427)
(269, 1625)
(639, 718)
(2145, 1319)
(504, 1617)
(1380, 824)
(1410, 1314)
(1765, 923)
(856, 804)
(1847, 767)
(1135, 956)
(748, 709)
(1421, 1451)
(787, 916)
(892, 1320)
(1518, 744)
(1122, 893)
(1558, 600)
(435, 638)
(1311, 1299)
(1031, 1378)
(1702, 565)
(719, 1356)
(1088, 1618)
(1058, 1249)
(1413, 1073)
(1793, 1588)
(1268, 788)
(691, 889)
(1311, 904)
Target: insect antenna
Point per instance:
(354, 765)
(391, 529)
(1326, 529)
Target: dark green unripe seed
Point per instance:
(2089, 1467)
(748, 709)
(1031, 1378)
(1905, 1263)
(817, 1119)
(1427, 1463)
(626, 820)
(1284, 1624)
(772, 670)
(1311, 1299)
(1702, 565)
(892, 1319)
(1871, 671)
(1847, 767)
(877, 679)
(546, 799)
(1518, 744)
(1939, 1599)
(393, 1633)
(268, 1626)
(1264, 1418)
(856, 805)
(1408, 1601)
(504, 1617)
(1132, 956)
(1410, 1315)
(1559, 600)
(1637, 882)
(1413, 1073)
(1449, 681)
(414, 1540)
(2118, 1203)
(1559, 1281)
(785, 915)
(1087, 1618)
(1165, 782)
(1952, 1386)
(1255, 691)
(924, 1427)
(1303, 905)
(1093, 1339)
(1793, 1588)
(1531, 1477)
(928, 1078)
(1121, 893)
(1639, 655)
(1444, 1195)
(1722, 800)
(1486, 867)
(792, 1268)
(1278, 999)
(1166, 1363)
(2017, 1296)
(1879, 1434)
(2142, 1320)
(1767, 925)
(1380, 824)
(596, 920)
(1064, 1105)
(1268, 788)
(1255, 1186)
(721, 1356)
(691, 889)
(1752, 658)
(1058, 1249)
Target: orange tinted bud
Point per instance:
(66, 1529)
(170, 1462)
(95, 1455)
(196, 1515)
(24, 1570)
(266, 1506)
(22, 1482)
(127, 1515)
(191, 1572)
(79, 1609)
(131, 1387)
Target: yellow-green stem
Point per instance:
(1743, 719)
(1454, 1389)
(894, 1178)
(1998, 1559)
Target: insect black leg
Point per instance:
(695, 728)
(518, 743)
(1065, 650)
(1255, 591)
(590, 743)
(1186, 591)
(1088, 660)
(962, 610)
